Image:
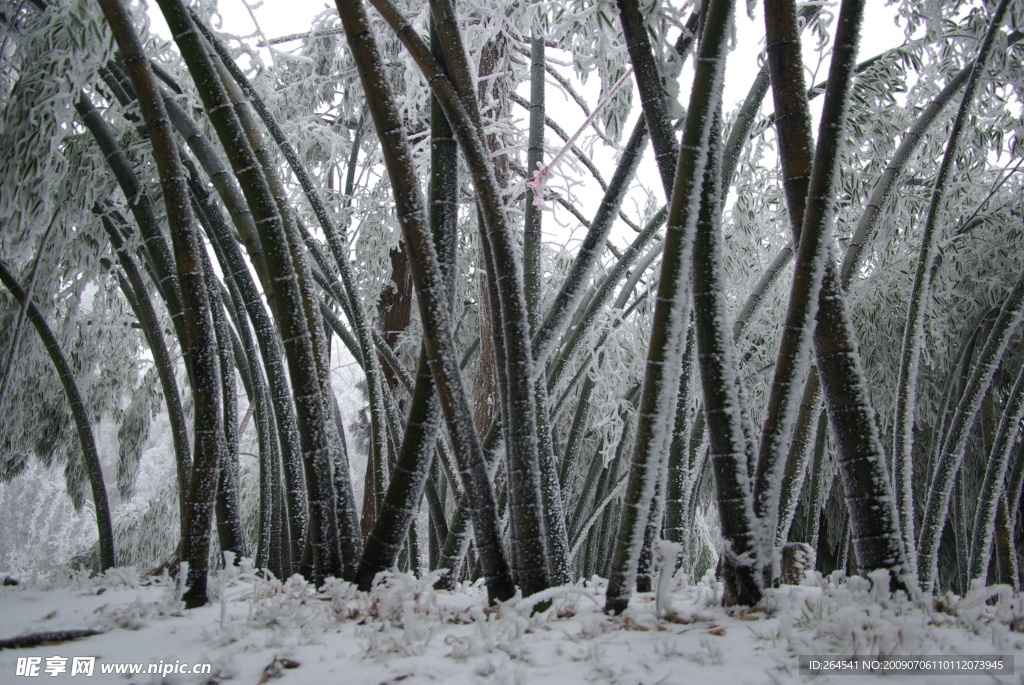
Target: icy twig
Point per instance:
(536, 182)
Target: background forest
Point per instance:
(799, 325)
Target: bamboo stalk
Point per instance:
(671, 314)
(198, 326)
(83, 426)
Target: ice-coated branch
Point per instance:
(597, 302)
(145, 311)
(569, 294)
(536, 182)
(159, 250)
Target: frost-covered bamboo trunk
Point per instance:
(796, 155)
(801, 447)
(412, 467)
(339, 508)
(861, 458)
(679, 482)
(83, 426)
(416, 452)
(1014, 482)
(672, 310)
(228, 503)
(234, 264)
(201, 352)
(552, 496)
(550, 488)
(652, 93)
(267, 556)
(868, 488)
(437, 522)
(862, 237)
(744, 548)
(653, 531)
(294, 329)
(1004, 547)
(432, 294)
(247, 360)
(811, 200)
(920, 295)
(239, 88)
(532, 211)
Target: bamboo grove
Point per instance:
(797, 322)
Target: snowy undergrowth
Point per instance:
(406, 631)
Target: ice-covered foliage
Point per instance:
(53, 57)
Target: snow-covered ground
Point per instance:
(257, 631)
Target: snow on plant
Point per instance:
(665, 563)
(295, 614)
(857, 616)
